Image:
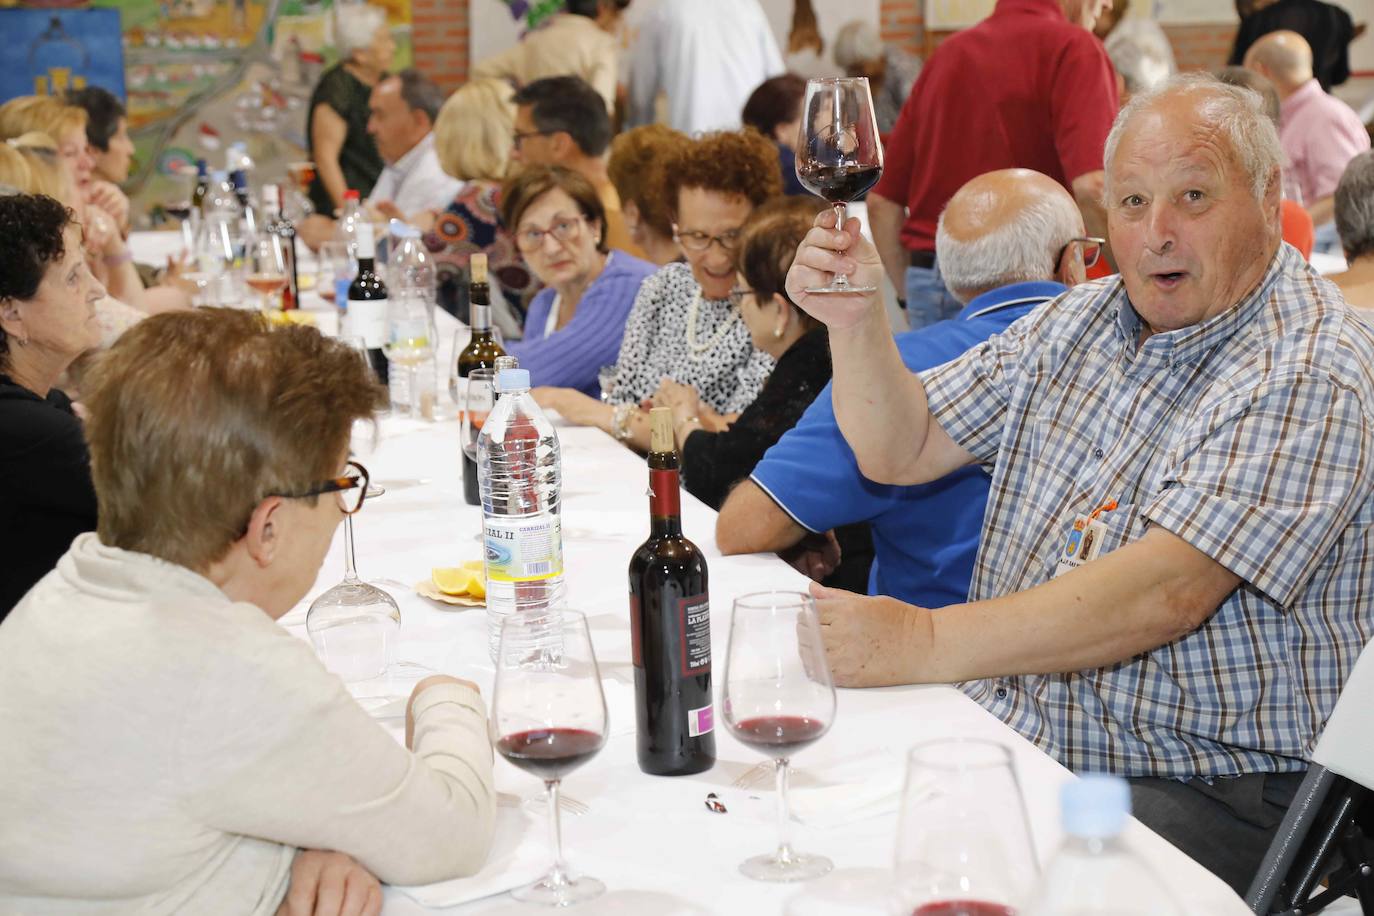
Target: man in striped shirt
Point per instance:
(1205, 421)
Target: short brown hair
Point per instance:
(768, 244)
(741, 163)
(532, 183)
(198, 416)
(637, 169)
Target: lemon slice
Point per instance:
(458, 581)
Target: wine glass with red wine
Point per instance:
(548, 717)
(779, 698)
(839, 153)
(963, 838)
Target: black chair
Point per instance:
(1328, 833)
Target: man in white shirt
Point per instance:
(707, 56)
(402, 109)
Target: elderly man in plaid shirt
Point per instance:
(1177, 564)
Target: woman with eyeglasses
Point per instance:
(575, 323)
(685, 326)
(167, 746)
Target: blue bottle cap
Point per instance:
(402, 230)
(1095, 806)
(513, 380)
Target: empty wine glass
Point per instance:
(779, 698)
(353, 625)
(963, 839)
(267, 276)
(548, 717)
(839, 153)
(479, 399)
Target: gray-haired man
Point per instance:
(1207, 420)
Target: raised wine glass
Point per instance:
(548, 717)
(839, 153)
(779, 698)
(963, 839)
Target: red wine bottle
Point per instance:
(480, 353)
(366, 313)
(278, 225)
(670, 627)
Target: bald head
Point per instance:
(1284, 57)
(1004, 227)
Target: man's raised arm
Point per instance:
(879, 403)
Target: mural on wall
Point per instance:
(199, 75)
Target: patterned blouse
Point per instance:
(673, 331)
(471, 223)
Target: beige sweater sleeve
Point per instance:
(272, 746)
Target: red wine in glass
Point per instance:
(837, 183)
(550, 753)
(962, 908)
(779, 736)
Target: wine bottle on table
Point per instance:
(366, 315)
(202, 186)
(278, 225)
(480, 353)
(670, 626)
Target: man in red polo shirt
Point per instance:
(1029, 87)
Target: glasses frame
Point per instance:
(520, 136)
(574, 230)
(726, 243)
(1084, 240)
(337, 485)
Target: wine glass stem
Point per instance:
(557, 874)
(784, 854)
(841, 280)
(350, 568)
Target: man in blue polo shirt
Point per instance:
(1007, 241)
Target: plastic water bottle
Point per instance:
(519, 472)
(219, 244)
(410, 278)
(1095, 873)
(347, 233)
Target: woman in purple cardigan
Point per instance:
(575, 323)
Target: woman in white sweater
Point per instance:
(165, 746)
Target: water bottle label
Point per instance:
(523, 549)
(700, 721)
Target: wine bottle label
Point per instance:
(700, 721)
(665, 499)
(694, 616)
(524, 549)
(367, 319)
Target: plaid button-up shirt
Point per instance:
(1250, 437)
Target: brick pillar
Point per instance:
(1204, 47)
(903, 25)
(439, 33)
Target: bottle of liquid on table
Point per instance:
(202, 186)
(346, 232)
(670, 626)
(410, 281)
(520, 470)
(366, 317)
(1095, 873)
(480, 353)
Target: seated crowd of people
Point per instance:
(1113, 329)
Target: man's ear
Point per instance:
(266, 526)
(563, 145)
(1070, 270)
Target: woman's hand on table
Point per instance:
(330, 884)
(871, 641)
(682, 400)
(573, 406)
(431, 681)
(824, 253)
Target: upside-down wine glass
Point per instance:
(839, 154)
(779, 698)
(548, 717)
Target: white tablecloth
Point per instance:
(651, 839)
